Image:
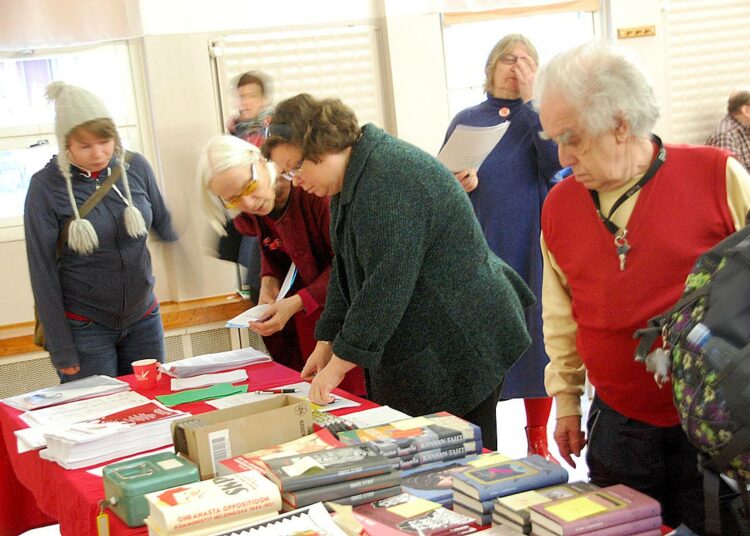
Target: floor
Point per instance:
(511, 419)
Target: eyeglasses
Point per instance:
(508, 59)
(292, 173)
(247, 189)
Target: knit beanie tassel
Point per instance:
(134, 222)
(82, 237)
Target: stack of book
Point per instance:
(434, 481)
(120, 433)
(345, 475)
(612, 511)
(407, 514)
(212, 506)
(320, 440)
(475, 490)
(514, 511)
(420, 440)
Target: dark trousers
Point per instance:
(484, 415)
(658, 461)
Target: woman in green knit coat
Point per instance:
(415, 297)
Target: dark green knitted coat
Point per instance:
(416, 296)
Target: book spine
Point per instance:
(369, 496)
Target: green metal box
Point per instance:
(126, 483)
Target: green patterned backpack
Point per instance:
(706, 338)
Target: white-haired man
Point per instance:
(619, 237)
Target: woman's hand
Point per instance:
(69, 371)
(279, 314)
(327, 379)
(269, 289)
(318, 359)
(525, 74)
(468, 179)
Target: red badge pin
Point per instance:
(503, 112)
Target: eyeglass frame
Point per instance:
(505, 57)
(247, 189)
(292, 173)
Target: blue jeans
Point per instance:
(111, 351)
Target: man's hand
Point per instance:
(569, 437)
(468, 179)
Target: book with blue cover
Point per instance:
(508, 477)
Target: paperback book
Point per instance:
(517, 507)
(441, 454)
(405, 437)
(594, 510)
(434, 481)
(408, 514)
(508, 477)
(317, 441)
(292, 473)
(339, 490)
(212, 503)
(651, 526)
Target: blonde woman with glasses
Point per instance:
(291, 226)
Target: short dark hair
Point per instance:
(253, 77)
(737, 100)
(317, 127)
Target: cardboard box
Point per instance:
(209, 437)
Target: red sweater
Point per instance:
(679, 214)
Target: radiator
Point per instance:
(28, 372)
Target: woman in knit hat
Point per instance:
(292, 226)
(91, 274)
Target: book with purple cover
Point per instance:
(595, 510)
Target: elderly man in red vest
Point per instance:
(619, 236)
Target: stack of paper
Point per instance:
(260, 312)
(112, 436)
(208, 363)
(67, 392)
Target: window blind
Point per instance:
(707, 58)
(341, 61)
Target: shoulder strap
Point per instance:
(91, 202)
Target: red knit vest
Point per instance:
(679, 214)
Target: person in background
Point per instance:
(416, 297)
(292, 227)
(619, 237)
(95, 294)
(249, 124)
(733, 132)
(507, 193)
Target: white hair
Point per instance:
(220, 154)
(602, 86)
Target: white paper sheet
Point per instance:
(469, 146)
(259, 312)
(204, 380)
(302, 390)
(208, 363)
(375, 416)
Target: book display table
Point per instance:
(36, 492)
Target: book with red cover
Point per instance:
(407, 514)
(594, 510)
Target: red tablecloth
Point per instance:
(36, 492)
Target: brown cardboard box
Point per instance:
(209, 437)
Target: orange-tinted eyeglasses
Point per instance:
(248, 189)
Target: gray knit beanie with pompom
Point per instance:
(73, 107)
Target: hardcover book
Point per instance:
(594, 510)
(368, 496)
(444, 453)
(292, 473)
(480, 507)
(405, 437)
(479, 517)
(405, 513)
(339, 490)
(210, 503)
(516, 507)
(650, 526)
(320, 440)
(508, 477)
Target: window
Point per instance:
(467, 45)
(27, 139)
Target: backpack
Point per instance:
(706, 341)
